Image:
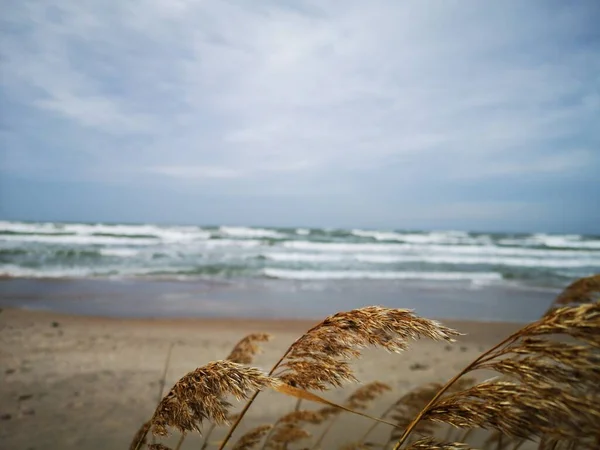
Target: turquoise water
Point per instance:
(78, 250)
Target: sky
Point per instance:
(466, 114)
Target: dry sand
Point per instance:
(72, 382)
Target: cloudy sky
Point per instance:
(462, 114)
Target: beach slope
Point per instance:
(73, 382)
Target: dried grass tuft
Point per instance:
(584, 290)
(517, 410)
(430, 443)
(158, 447)
(364, 395)
(286, 434)
(328, 412)
(550, 391)
(247, 348)
(252, 438)
(581, 322)
(534, 369)
(305, 415)
(408, 406)
(201, 394)
(293, 420)
(318, 359)
(581, 356)
(242, 353)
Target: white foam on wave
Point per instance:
(219, 243)
(488, 250)
(114, 272)
(247, 232)
(379, 275)
(167, 234)
(120, 252)
(433, 259)
(553, 241)
(492, 250)
(79, 240)
(433, 237)
(11, 270)
(305, 257)
(378, 235)
(302, 231)
(25, 227)
(482, 260)
(340, 246)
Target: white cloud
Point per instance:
(199, 172)
(234, 89)
(568, 161)
(478, 211)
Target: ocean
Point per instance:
(317, 255)
(148, 270)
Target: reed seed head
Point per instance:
(316, 360)
(584, 290)
(408, 406)
(286, 434)
(581, 322)
(518, 410)
(247, 348)
(201, 394)
(364, 395)
(304, 415)
(430, 443)
(535, 369)
(252, 438)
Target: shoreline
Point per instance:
(241, 324)
(274, 300)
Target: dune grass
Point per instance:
(546, 389)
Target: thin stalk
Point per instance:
(161, 386)
(269, 434)
(325, 431)
(448, 434)
(453, 380)
(180, 442)
(249, 403)
(208, 433)
(518, 446)
(372, 427)
(251, 400)
(163, 379)
(466, 435)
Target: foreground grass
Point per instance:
(546, 390)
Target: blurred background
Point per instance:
(175, 174)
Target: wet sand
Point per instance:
(272, 299)
(80, 382)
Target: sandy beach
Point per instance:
(73, 382)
